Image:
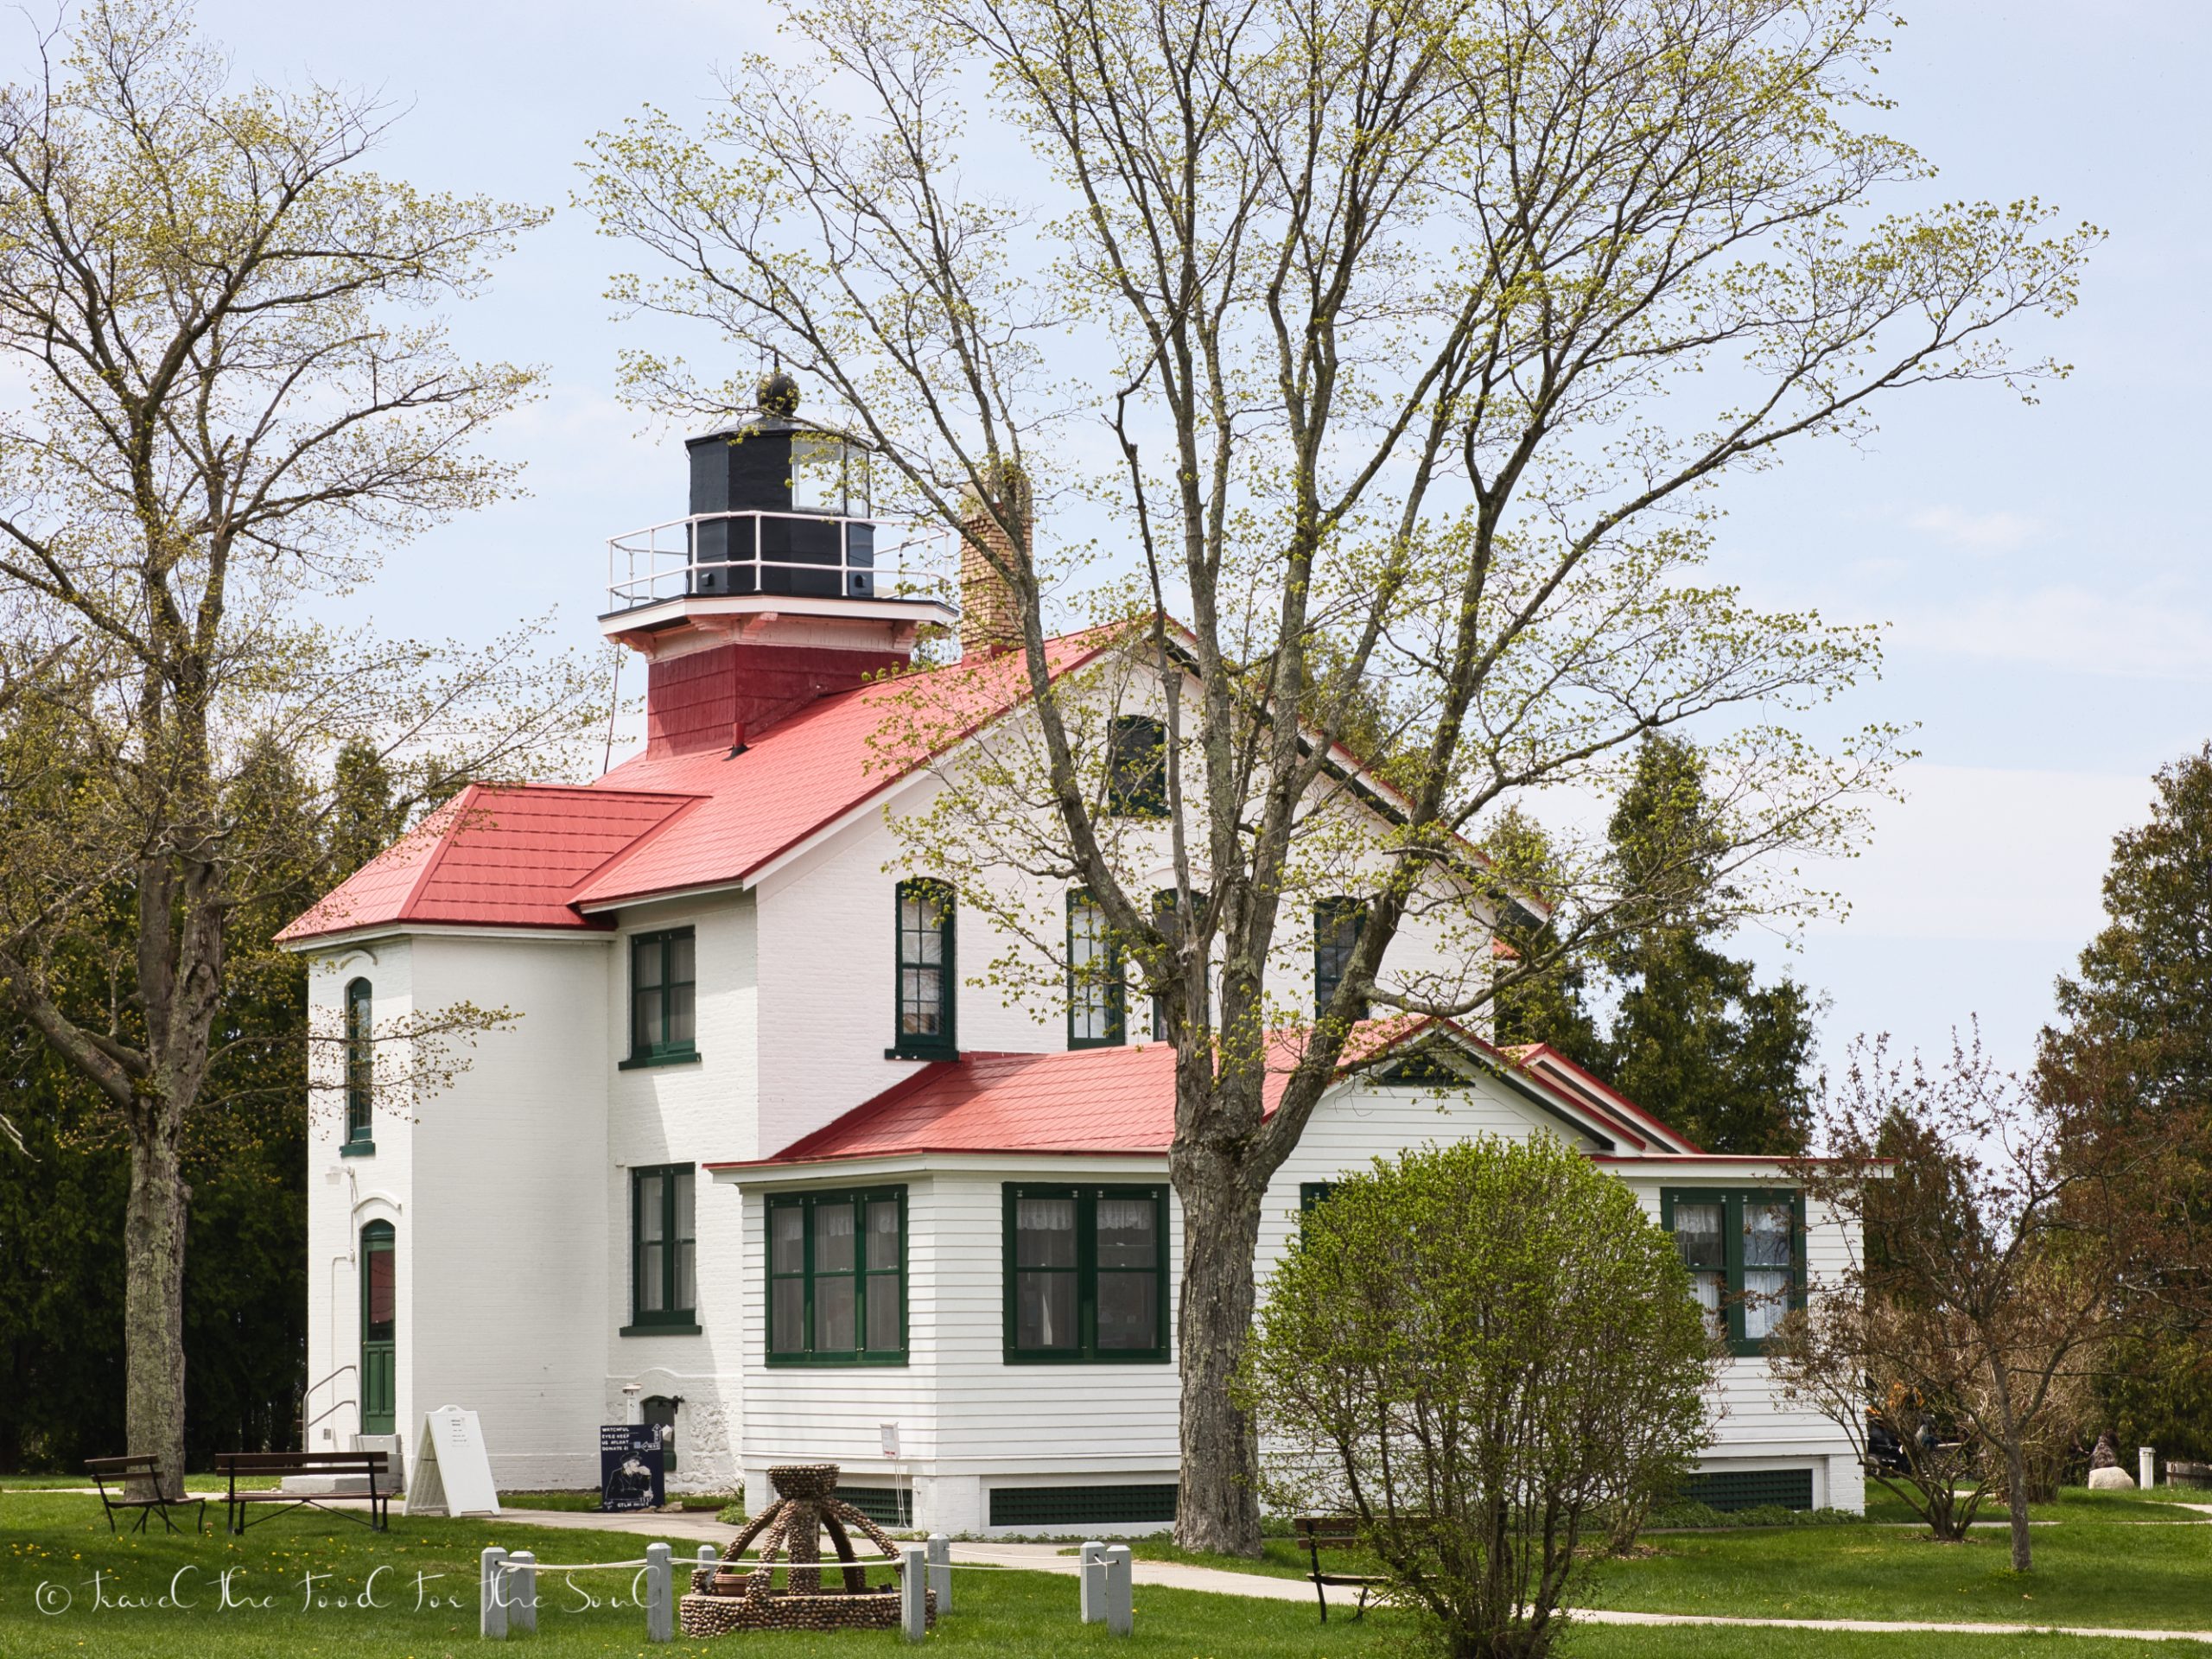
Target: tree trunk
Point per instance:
(2016, 1465)
(1218, 1508)
(153, 1297)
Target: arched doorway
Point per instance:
(378, 1328)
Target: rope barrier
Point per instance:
(512, 1565)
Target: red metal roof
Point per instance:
(537, 855)
(495, 855)
(1542, 1057)
(805, 772)
(1080, 1101)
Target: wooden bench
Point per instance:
(375, 1465)
(123, 1471)
(1316, 1533)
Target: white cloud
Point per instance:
(1983, 532)
(2140, 634)
(1988, 854)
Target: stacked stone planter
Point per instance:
(733, 1597)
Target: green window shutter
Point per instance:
(927, 976)
(664, 998)
(1136, 767)
(360, 1064)
(1086, 1273)
(1097, 994)
(836, 1273)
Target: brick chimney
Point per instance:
(990, 612)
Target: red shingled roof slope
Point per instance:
(501, 856)
(537, 855)
(807, 771)
(1094, 1100)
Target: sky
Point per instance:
(2041, 570)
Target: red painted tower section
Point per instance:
(727, 695)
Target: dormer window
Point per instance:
(926, 978)
(1136, 767)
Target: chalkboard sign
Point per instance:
(631, 1472)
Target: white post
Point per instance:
(1120, 1594)
(521, 1581)
(632, 1411)
(490, 1595)
(709, 1559)
(2147, 1464)
(1090, 1569)
(660, 1600)
(941, 1572)
(914, 1592)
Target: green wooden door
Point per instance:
(379, 1310)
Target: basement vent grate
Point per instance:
(1751, 1488)
(886, 1506)
(1081, 1506)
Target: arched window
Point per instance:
(360, 1066)
(379, 1327)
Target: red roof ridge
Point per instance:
(1527, 1051)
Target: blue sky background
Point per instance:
(2041, 569)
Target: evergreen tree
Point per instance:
(61, 1197)
(2138, 1016)
(1693, 1037)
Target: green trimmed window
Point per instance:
(664, 1247)
(663, 997)
(1136, 767)
(927, 979)
(360, 1065)
(1745, 1251)
(1311, 1194)
(1337, 924)
(1086, 1274)
(838, 1278)
(1097, 994)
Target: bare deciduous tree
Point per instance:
(1406, 343)
(2003, 1231)
(234, 384)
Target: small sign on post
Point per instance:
(632, 1467)
(2147, 1464)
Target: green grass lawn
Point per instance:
(61, 1540)
(2100, 1560)
(2097, 1565)
(2092, 1566)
